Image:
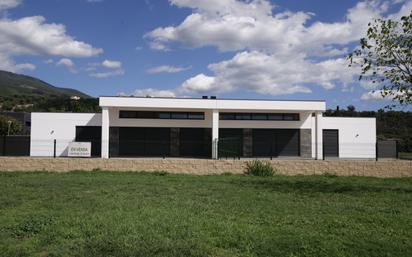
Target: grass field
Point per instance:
(141, 214)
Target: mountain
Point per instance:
(26, 89)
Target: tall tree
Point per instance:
(385, 58)
(9, 126)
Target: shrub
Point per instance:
(160, 173)
(259, 168)
(10, 125)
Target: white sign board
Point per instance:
(80, 149)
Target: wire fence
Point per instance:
(127, 148)
(228, 148)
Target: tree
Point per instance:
(9, 125)
(351, 108)
(385, 58)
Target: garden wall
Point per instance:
(394, 168)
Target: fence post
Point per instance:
(54, 148)
(376, 150)
(397, 149)
(271, 150)
(4, 145)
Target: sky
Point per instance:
(280, 49)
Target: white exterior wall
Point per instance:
(357, 136)
(46, 127)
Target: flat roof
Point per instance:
(218, 103)
(217, 98)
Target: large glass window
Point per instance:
(275, 116)
(259, 116)
(291, 116)
(127, 115)
(164, 115)
(243, 116)
(179, 115)
(196, 116)
(161, 115)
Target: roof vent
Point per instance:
(213, 97)
(204, 97)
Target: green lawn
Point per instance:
(142, 214)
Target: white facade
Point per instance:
(47, 127)
(357, 136)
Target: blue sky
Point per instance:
(284, 49)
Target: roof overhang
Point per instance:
(219, 104)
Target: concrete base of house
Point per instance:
(387, 168)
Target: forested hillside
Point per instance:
(20, 91)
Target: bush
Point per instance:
(259, 168)
(160, 173)
(9, 124)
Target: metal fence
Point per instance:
(387, 149)
(15, 145)
(128, 148)
(229, 148)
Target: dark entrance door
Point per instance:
(276, 142)
(263, 142)
(144, 141)
(195, 142)
(287, 142)
(91, 134)
(330, 143)
(230, 142)
(157, 141)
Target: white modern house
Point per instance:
(205, 128)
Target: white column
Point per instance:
(313, 135)
(105, 132)
(319, 136)
(215, 133)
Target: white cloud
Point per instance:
(33, 36)
(269, 74)
(107, 74)
(112, 68)
(65, 62)
(373, 96)
(8, 4)
(9, 65)
(69, 64)
(112, 64)
(153, 93)
(238, 25)
(166, 69)
(200, 83)
(279, 52)
(25, 66)
(158, 46)
(376, 95)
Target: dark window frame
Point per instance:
(123, 114)
(259, 116)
